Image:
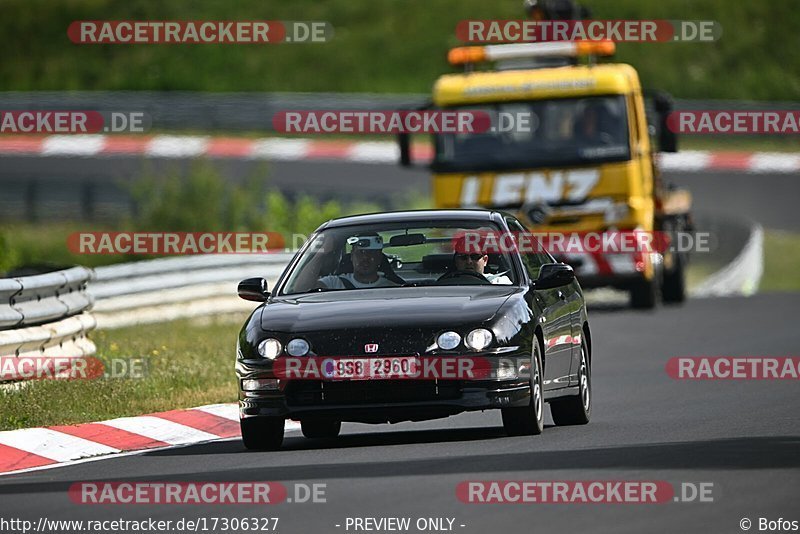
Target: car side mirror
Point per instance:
(254, 289)
(554, 275)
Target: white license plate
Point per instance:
(369, 368)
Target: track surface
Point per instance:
(742, 436)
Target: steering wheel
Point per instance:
(463, 274)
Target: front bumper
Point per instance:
(379, 400)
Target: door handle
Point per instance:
(561, 295)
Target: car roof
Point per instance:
(415, 216)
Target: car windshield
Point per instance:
(397, 255)
(551, 132)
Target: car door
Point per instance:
(556, 316)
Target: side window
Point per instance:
(532, 259)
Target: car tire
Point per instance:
(528, 420)
(262, 433)
(576, 410)
(320, 428)
(644, 294)
(673, 289)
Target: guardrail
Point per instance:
(46, 315)
(169, 288)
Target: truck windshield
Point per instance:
(572, 131)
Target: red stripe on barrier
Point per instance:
(110, 436)
(213, 424)
(329, 150)
(21, 144)
(12, 459)
(730, 160)
(229, 147)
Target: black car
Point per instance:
(386, 317)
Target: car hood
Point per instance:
(395, 308)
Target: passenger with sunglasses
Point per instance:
(476, 262)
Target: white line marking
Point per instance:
(374, 152)
(280, 149)
(772, 162)
(689, 160)
(73, 145)
(160, 429)
(53, 444)
(171, 146)
(228, 411)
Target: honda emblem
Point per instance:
(371, 347)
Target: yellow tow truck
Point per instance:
(583, 162)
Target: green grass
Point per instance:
(380, 46)
(189, 363)
(781, 262)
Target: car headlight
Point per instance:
(479, 339)
(297, 347)
(448, 340)
(270, 348)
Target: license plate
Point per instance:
(369, 368)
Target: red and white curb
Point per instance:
(296, 149)
(31, 449)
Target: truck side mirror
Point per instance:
(404, 141)
(667, 140)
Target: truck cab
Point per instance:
(570, 152)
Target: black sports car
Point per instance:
(411, 316)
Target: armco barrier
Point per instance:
(169, 288)
(46, 315)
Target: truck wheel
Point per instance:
(576, 410)
(262, 433)
(320, 428)
(644, 294)
(674, 287)
(528, 420)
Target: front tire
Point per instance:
(644, 294)
(262, 433)
(673, 289)
(528, 420)
(576, 410)
(320, 429)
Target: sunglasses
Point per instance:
(473, 257)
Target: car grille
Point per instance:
(316, 393)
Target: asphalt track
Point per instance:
(742, 436)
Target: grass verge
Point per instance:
(781, 261)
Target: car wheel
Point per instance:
(674, 287)
(528, 420)
(262, 433)
(320, 428)
(644, 294)
(577, 409)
